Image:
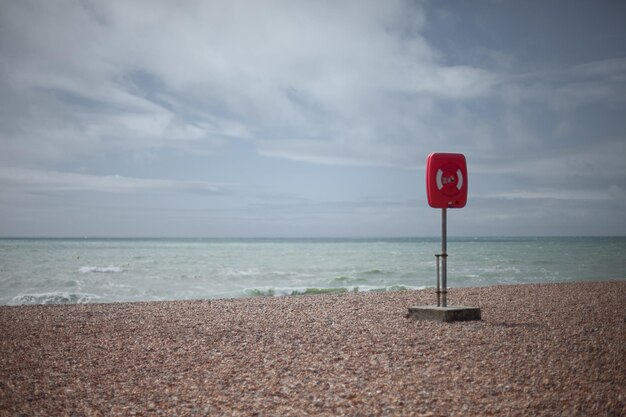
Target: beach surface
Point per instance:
(544, 349)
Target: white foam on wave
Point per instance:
(100, 269)
(285, 291)
(55, 297)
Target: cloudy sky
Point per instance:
(310, 118)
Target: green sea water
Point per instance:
(42, 271)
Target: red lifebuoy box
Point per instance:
(446, 180)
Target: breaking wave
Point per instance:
(54, 298)
(279, 292)
(100, 269)
(346, 279)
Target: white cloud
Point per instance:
(562, 195)
(296, 79)
(52, 181)
(565, 88)
(91, 76)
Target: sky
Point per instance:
(200, 118)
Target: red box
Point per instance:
(446, 180)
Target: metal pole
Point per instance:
(438, 283)
(444, 255)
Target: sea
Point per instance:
(71, 271)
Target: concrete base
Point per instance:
(446, 314)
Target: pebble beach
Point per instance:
(539, 350)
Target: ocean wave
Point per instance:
(279, 292)
(54, 298)
(373, 272)
(100, 269)
(346, 279)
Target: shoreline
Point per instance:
(278, 292)
(540, 349)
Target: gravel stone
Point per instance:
(540, 350)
